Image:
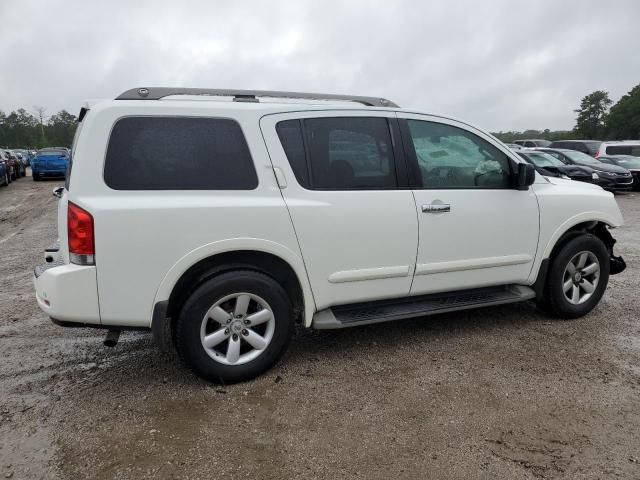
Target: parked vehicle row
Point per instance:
(594, 148)
(13, 165)
(46, 162)
(615, 166)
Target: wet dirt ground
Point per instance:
(496, 393)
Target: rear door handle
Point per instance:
(436, 208)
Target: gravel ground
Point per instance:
(502, 392)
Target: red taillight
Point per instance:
(80, 232)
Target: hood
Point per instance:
(576, 170)
(573, 185)
(569, 170)
(605, 167)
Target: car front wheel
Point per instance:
(578, 277)
(234, 326)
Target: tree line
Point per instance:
(596, 119)
(23, 129)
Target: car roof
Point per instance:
(263, 107)
(575, 141)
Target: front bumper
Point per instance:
(67, 292)
(615, 183)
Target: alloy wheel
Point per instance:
(237, 328)
(580, 277)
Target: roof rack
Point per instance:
(156, 93)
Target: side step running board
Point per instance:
(387, 310)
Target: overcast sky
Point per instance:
(503, 65)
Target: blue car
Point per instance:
(50, 162)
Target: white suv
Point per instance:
(219, 224)
(623, 147)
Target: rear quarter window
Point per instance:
(623, 150)
(178, 153)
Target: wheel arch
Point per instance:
(270, 258)
(597, 225)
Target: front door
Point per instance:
(341, 176)
(475, 228)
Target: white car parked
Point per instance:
(219, 224)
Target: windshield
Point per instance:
(581, 158)
(633, 150)
(628, 162)
(543, 160)
(53, 153)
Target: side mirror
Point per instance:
(526, 175)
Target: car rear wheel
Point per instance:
(578, 277)
(234, 326)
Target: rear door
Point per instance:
(343, 179)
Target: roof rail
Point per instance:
(156, 93)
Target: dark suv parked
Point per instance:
(590, 147)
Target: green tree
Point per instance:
(61, 128)
(21, 129)
(624, 118)
(592, 114)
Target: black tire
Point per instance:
(5, 180)
(35, 177)
(188, 325)
(555, 301)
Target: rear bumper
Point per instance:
(49, 173)
(67, 293)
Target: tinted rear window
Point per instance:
(290, 134)
(178, 153)
(345, 153)
(633, 150)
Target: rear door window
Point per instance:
(178, 153)
(340, 153)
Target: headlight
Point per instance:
(595, 176)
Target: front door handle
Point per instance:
(436, 208)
